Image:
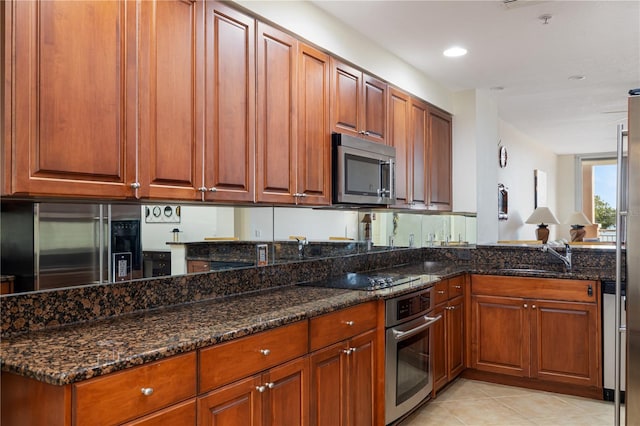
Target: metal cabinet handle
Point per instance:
(147, 391)
(261, 388)
(135, 185)
(202, 189)
(265, 352)
(533, 306)
(348, 351)
(458, 287)
(525, 305)
(213, 189)
(270, 385)
(349, 323)
(440, 291)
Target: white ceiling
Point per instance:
(509, 46)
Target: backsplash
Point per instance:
(26, 312)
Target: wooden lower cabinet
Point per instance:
(343, 382)
(539, 337)
(183, 414)
(277, 397)
(448, 334)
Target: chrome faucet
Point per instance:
(301, 243)
(565, 259)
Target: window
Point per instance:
(596, 179)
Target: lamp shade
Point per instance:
(577, 218)
(542, 215)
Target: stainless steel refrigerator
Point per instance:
(52, 245)
(630, 213)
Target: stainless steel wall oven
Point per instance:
(408, 352)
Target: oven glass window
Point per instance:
(413, 366)
(362, 175)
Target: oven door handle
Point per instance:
(401, 335)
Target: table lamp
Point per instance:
(543, 217)
(578, 221)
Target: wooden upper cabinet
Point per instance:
(171, 98)
(229, 145)
(358, 105)
(74, 108)
(276, 132)
(314, 138)
(419, 143)
(439, 164)
(399, 118)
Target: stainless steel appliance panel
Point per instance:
(408, 353)
(70, 245)
(633, 266)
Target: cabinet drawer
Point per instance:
(536, 288)
(336, 326)
(441, 292)
(118, 397)
(198, 266)
(183, 414)
(224, 363)
(456, 286)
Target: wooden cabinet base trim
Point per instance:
(592, 392)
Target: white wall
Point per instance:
(315, 25)
(464, 151)
(565, 193)
(196, 223)
(526, 155)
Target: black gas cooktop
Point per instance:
(363, 281)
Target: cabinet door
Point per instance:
(361, 380)
(565, 342)
(439, 349)
(455, 337)
(286, 399)
(171, 96)
(314, 139)
(238, 404)
(326, 398)
(419, 138)
(229, 151)
(399, 111)
(74, 109)
(183, 414)
(276, 133)
(439, 160)
(500, 335)
(374, 109)
(346, 98)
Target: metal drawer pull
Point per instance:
(261, 388)
(533, 306)
(440, 291)
(270, 385)
(213, 189)
(399, 335)
(147, 391)
(265, 352)
(349, 351)
(135, 185)
(202, 189)
(458, 287)
(525, 305)
(349, 323)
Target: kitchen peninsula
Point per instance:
(58, 341)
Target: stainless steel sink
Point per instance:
(528, 271)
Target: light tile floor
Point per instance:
(470, 402)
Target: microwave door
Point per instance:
(387, 181)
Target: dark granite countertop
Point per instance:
(73, 353)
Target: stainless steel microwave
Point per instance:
(363, 171)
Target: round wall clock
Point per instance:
(502, 157)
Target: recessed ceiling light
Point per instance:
(454, 52)
(577, 77)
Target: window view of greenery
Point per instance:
(604, 199)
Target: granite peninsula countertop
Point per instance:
(72, 353)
